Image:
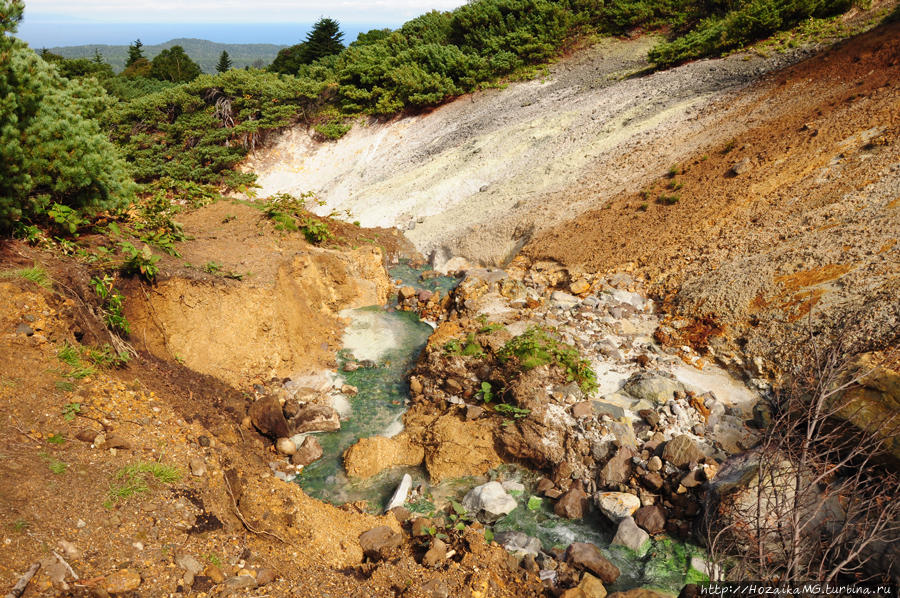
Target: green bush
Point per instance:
(200, 130)
(536, 347)
(52, 149)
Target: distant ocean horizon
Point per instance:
(47, 34)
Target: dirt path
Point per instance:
(479, 176)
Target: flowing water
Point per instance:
(392, 340)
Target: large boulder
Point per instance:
(587, 557)
(268, 418)
(455, 448)
(489, 501)
(653, 387)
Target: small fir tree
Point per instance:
(224, 62)
(135, 53)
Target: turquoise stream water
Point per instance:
(393, 340)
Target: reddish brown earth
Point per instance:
(810, 227)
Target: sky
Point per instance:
(51, 23)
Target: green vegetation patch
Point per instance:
(35, 274)
(536, 347)
(135, 479)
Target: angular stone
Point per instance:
(377, 543)
(618, 469)
(265, 575)
(631, 536)
(681, 450)
(86, 435)
(582, 409)
(586, 556)
(574, 503)
(314, 418)
(518, 542)
(436, 554)
(406, 292)
(267, 416)
(655, 388)
(741, 167)
(579, 286)
(652, 481)
(189, 563)
(617, 505)
(310, 450)
(543, 485)
(489, 501)
(651, 519)
(591, 587)
(123, 580)
(650, 416)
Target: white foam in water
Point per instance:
(394, 428)
(341, 404)
(369, 334)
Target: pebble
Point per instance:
(122, 581)
(198, 467)
(286, 446)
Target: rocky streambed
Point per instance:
(614, 438)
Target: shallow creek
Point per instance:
(392, 340)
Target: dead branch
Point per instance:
(19, 589)
(246, 524)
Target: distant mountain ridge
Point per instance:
(203, 52)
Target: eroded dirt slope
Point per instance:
(479, 176)
(810, 224)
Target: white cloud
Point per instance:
(234, 11)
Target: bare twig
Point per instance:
(68, 566)
(19, 589)
(240, 516)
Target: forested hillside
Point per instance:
(175, 126)
(204, 52)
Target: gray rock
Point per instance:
(198, 468)
(681, 450)
(631, 536)
(741, 167)
(188, 563)
(518, 542)
(617, 505)
(564, 299)
(25, 329)
(655, 388)
(489, 501)
(614, 411)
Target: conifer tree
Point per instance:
(135, 53)
(323, 40)
(52, 148)
(224, 62)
